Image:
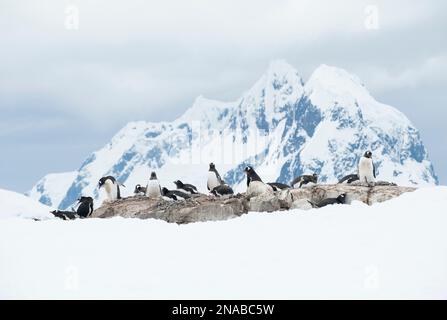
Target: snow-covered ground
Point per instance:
(396, 249)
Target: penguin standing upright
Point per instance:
(85, 208)
(255, 186)
(111, 186)
(153, 189)
(367, 170)
(214, 179)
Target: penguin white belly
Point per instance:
(153, 189)
(111, 190)
(257, 188)
(212, 180)
(366, 171)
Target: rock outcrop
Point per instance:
(209, 208)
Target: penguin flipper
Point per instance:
(118, 192)
(374, 170)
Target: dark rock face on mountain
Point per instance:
(208, 208)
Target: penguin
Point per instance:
(367, 170)
(255, 186)
(174, 194)
(222, 190)
(349, 179)
(111, 186)
(153, 189)
(341, 199)
(188, 188)
(305, 180)
(85, 209)
(278, 186)
(139, 190)
(214, 178)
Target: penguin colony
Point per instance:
(366, 174)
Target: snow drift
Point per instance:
(393, 250)
(18, 205)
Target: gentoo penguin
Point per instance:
(214, 178)
(255, 186)
(153, 187)
(341, 199)
(174, 194)
(85, 209)
(367, 171)
(222, 190)
(188, 188)
(300, 181)
(278, 186)
(111, 186)
(349, 179)
(139, 190)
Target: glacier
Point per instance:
(283, 126)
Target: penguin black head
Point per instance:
(164, 190)
(248, 169)
(102, 181)
(85, 200)
(212, 166)
(368, 154)
(342, 198)
(153, 176)
(179, 184)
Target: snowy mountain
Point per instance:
(18, 205)
(51, 189)
(281, 126)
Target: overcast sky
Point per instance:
(72, 73)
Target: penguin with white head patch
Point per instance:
(255, 186)
(139, 190)
(222, 190)
(341, 199)
(185, 187)
(153, 189)
(214, 179)
(174, 194)
(111, 186)
(367, 170)
(349, 179)
(305, 181)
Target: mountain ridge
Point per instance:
(282, 125)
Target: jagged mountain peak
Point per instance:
(280, 126)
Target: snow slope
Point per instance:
(282, 126)
(51, 189)
(14, 204)
(392, 250)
